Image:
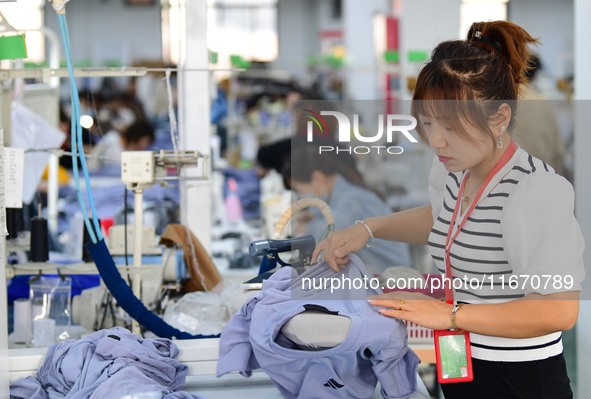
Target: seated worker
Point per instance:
(138, 136)
(334, 178)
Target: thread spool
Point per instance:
(39, 239)
(14, 222)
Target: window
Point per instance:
(480, 10)
(247, 28)
(26, 16)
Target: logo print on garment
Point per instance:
(333, 384)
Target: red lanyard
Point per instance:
(449, 239)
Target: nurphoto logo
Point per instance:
(394, 124)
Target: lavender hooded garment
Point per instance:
(107, 364)
(375, 348)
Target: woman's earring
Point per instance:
(500, 138)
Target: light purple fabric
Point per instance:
(107, 364)
(374, 350)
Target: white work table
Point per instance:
(200, 355)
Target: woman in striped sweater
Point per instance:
(500, 223)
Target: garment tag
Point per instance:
(454, 359)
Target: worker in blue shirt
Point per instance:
(334, 178)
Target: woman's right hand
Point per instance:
(335, 248)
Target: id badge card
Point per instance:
(453, 355)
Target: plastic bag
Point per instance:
(203, 312)
(198, 313)
(51, 309)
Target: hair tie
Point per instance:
(477, 37)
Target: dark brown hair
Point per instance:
(305, 158)
(138, 130)
(468, 80)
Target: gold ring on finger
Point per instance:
(401, 302)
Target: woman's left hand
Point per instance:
(414, 307)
